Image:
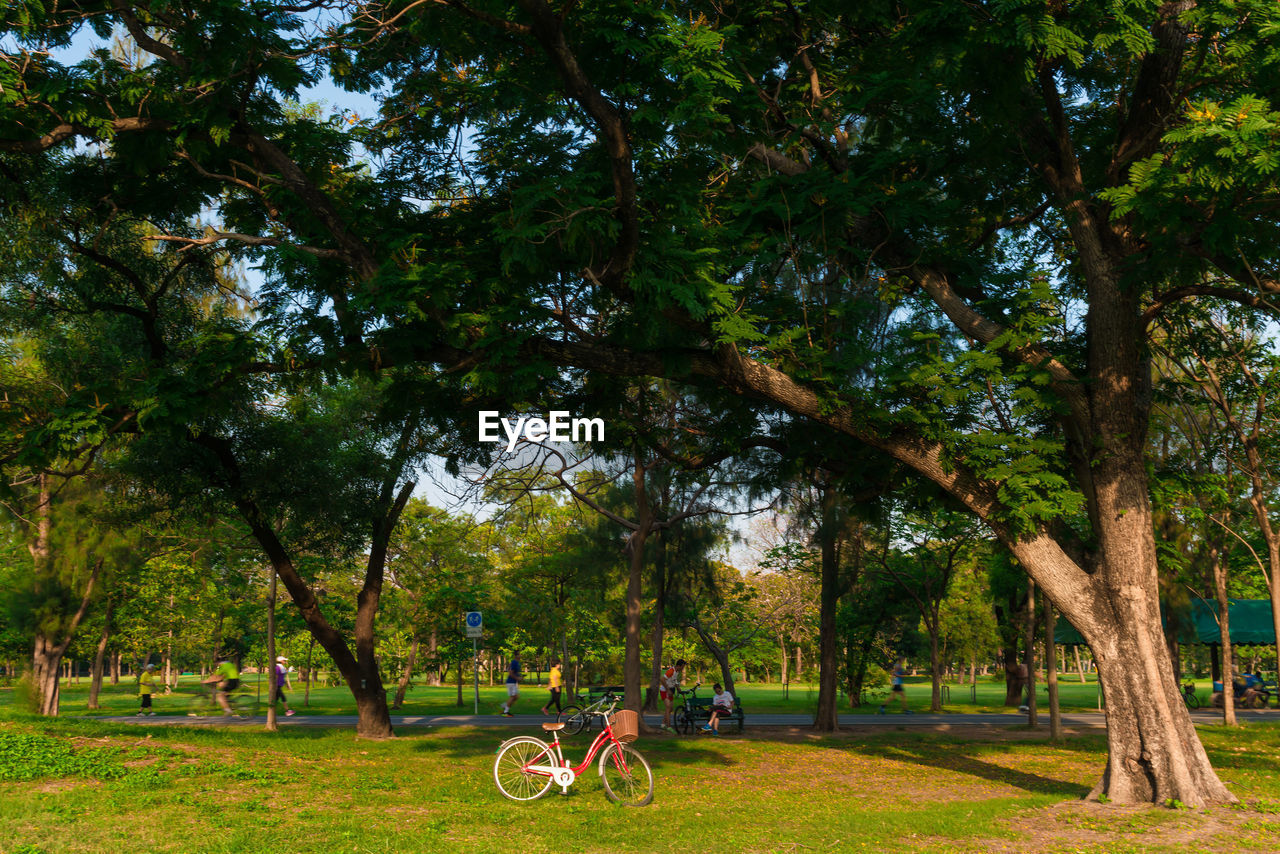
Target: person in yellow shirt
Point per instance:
(146, 687)
(554, 681)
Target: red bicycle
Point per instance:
(527, 767)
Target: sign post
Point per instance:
(475, 630)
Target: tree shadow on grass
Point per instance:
(474, 742)
(959, 756)
(251, 733)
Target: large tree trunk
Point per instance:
(858, 661)
(827, 717)
(1224, 625)
(435, 677)
(719, 654)
(1051, 671)
(1273, 565)
(782, 658)
(1013, 681)
(46, 657)
(306, 694)
(1154, 754)
(359, 670)
(659, 611)
(459, 675)
(631, 669)
(935, 663)
(1030, 654)
(46, 663)
(272, 688)
(170, 678)
(403, 686)
(95, 687)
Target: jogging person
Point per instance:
(555, 679)
(899, 670)
(513, 685)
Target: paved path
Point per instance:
(939, 723)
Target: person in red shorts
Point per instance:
(668, 682)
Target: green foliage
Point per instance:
(27, 756)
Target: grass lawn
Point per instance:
(426, 700)
(76, 784)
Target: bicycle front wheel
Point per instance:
(573, 719)
(509, 772)
(684, 722)
(245, 706)
(626, 776)
(1193, 702)
(200, 706)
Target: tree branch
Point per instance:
(216, 236)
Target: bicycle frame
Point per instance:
(684, 695)
(597, 709)
(564, 774)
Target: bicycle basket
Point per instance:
(626, 725)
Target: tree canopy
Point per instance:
(943, 229)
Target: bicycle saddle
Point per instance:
(549, 726)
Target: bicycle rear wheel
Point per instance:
(573, 719)
(626, 776)
(509, 773)
(244, 706)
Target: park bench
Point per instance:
(595, 692)
(699, 712)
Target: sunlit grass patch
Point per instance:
(316, 790)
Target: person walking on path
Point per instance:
(721, 706)
(282, 682)
(899, 670)
(513, 685)
(146, 687)
(554, 680)
(668, 683)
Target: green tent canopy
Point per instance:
(1250, 623)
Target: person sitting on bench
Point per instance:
(721, 704)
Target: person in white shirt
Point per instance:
(721, 704)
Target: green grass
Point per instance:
(84, 785)
(426, 700)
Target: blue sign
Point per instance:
(475, 624)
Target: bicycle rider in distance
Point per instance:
(668, 684)
(225, 679)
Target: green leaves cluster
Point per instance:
(29, 756)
